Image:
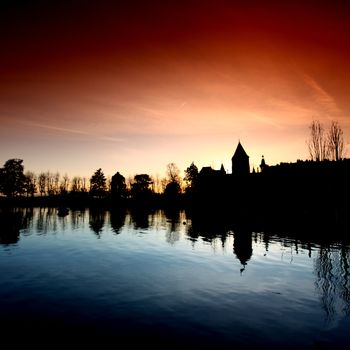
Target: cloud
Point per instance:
(73, 131)
(322, 97)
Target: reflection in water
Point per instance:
(97, 220)
(175, 219)
(140, 218)
(48, 220)
(332, 280)
(208, 227)
(330, 262)
(77, 218)
(242, 245)
(12, 221)
(117, 219)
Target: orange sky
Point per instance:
(132, 88)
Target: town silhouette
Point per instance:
(311, 192)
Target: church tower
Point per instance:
(240, 161)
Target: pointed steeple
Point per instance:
(240, 161)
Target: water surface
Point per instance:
(168, 280)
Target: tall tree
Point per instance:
(335, 141)
(98, 183)
(141, 186)
(42, 179)
(173, 173)
(76, 184)
(173, 184)
(118, 186)
(12, 178)
(30, 183)
(64, 184)
(317, 142)
(191, 175)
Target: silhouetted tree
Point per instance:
(64, 184)
(118, 186)
(84, 184)
(50, 183)
(42, 183)
(173, 173)
(335, 141)
(98, 183)
(191, 175)
(76, 184)
(172, 188)
(141, 185)
(30, 183)
(317, 143)
(12, 179)
(56, 183)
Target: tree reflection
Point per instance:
(332, 280)
(77, 218)
(331, 267)
(117, 217)
(140, 218)
(209, 226)
(173, 219)
(97, 220)
(12, 221)
(46, 220)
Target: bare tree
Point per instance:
(173, 172)
(42, 183)
(31, 183)
(64, 184)
(76, 184)
(56, 182)
(50, 183)
(335, 141)
(84, 184)
(157, 185)
(317, 143)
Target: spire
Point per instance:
(240, 161)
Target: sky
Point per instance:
(132, 86)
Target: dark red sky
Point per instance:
(143, 83)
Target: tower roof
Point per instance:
(240, 152)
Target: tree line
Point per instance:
(14, 182)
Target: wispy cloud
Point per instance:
(268, 121)
(56, 128)
(323, 98)
(72, 131)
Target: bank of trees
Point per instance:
(14, 182)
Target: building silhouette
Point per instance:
(240, 161)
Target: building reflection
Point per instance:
(242, 245)
(331, 261)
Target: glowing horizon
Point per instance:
(147, 85)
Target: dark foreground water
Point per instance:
(167, 281)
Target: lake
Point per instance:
(168, 280)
